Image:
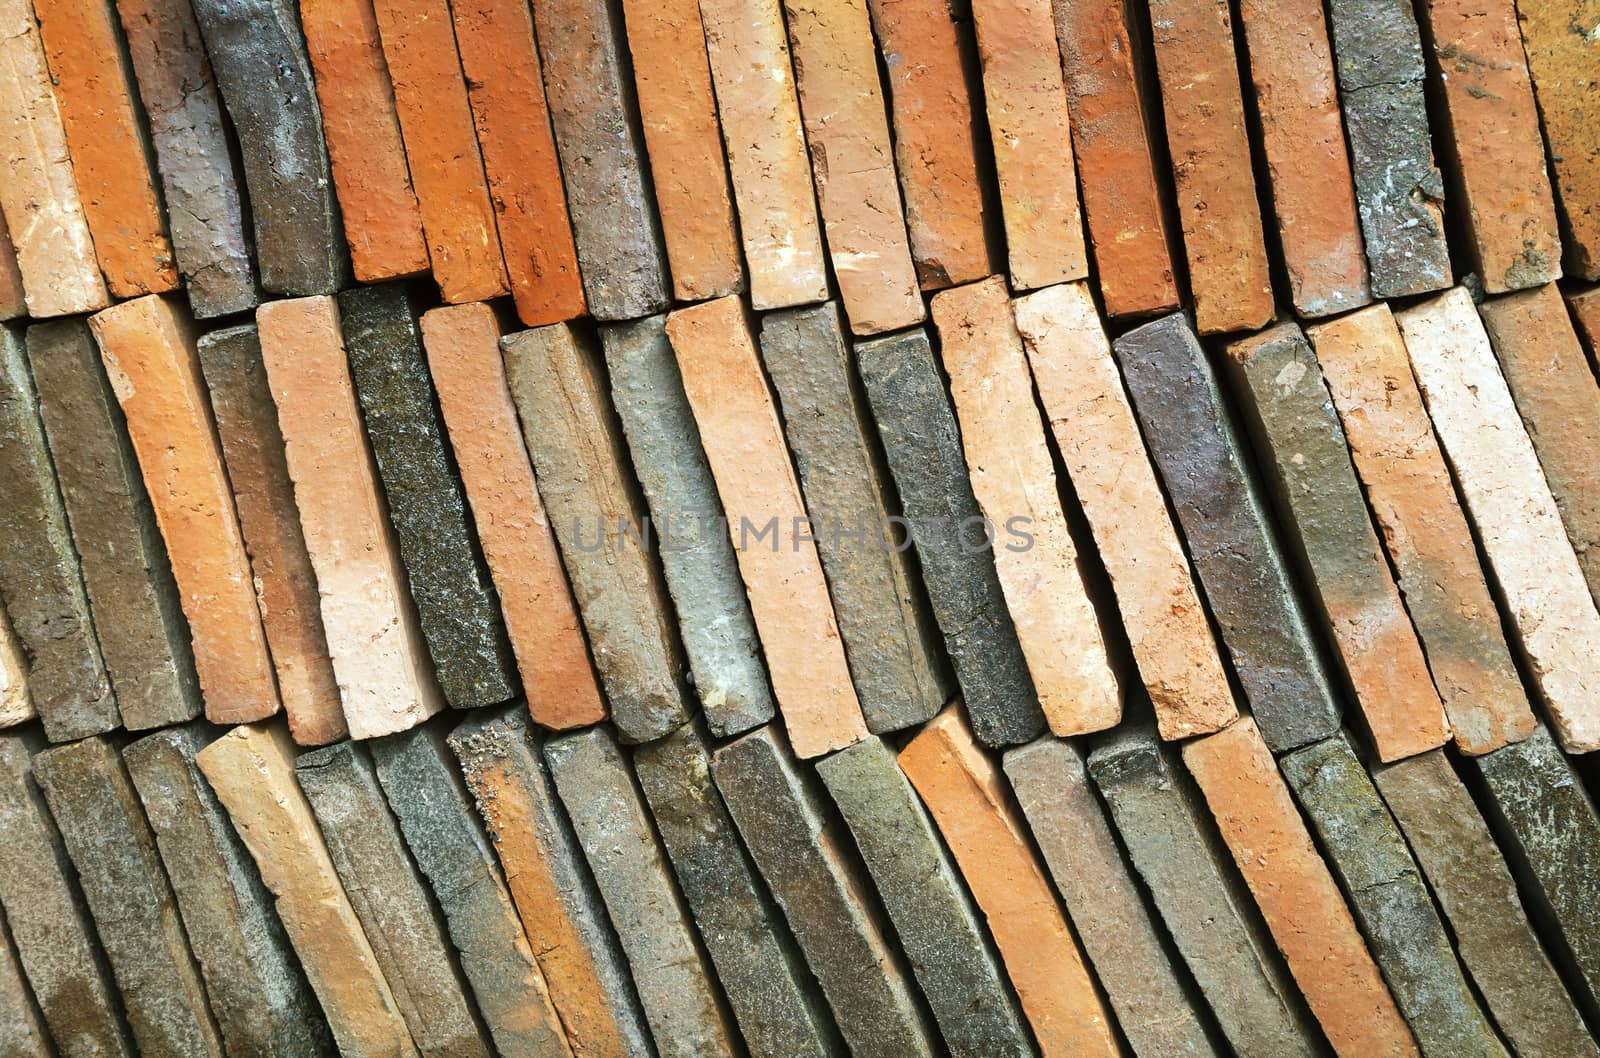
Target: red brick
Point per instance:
(1031, 134)
(1210, 149)
(935, 140)
(1426, 535)
(1585, 307)
(970, 801)
(110, 155)
(1299, 899)
(1013, 478)
(789, 599)
(382, 222)
(148, 346)
(13, 300)
(1116, 172)
(760, 112)
(375, 642)
(836, 72)
(430, 94)
(43, 210)
(672, 77)
(506, 88)
(1308, 164)
(463, 344)
(1099, 441)
(1491, 133)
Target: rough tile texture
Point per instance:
(1308, 164)
(449, 580)
(1511, 507)
(258, 995)
(1558, 58)
(766, 983)
(924, 455)
(801, 853)
(1122, 196)
(1161, 820)
(374, 639)
(967, 797)
(888, 635)
(719, 634)
(463, 347)
(43, 210)
(298, 246)
(1585, 308)
(1425, 535)
(430, 94)
(1030, 134)
(578, 450)
(596, 120)
(1473, 886)
(760, 113)
(108, 144)
(285, 584)
(1297, 896)
(13, 299)
(932, 79)
(1492, 138)
(1302, 451)
(40, 581)
(426, 792)
(554, 893)
(48, 920)
(20, 1023)
(199, 179)
(678, 115)
(1554, 387)
(1154, 1007)
(1098, 439)
(394, 907)
(847, 132)
(1366, 850)
(251, 768)
(138, 616)
(934, 917)
(382, 221)
(1400, 195)
(505, 89)
(677, 990)
(16, 704)
(744, 445)
(1015, 485)
(105, 833)
(1229, 276)
(1547, 823)
(148, 346)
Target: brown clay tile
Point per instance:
(1098, 438)
(111, 157)
(382, 664)
(39, 195)
(430, 94)
(836, 72)
(1297, 895)
(1424, 532)
(772, 189)
(672, 78)
(1031, 134)
(970, 801)
(382, 222)
(1014, 481)
(931, 81)
(744, 444)
(463, 345)
(1308, 164)
(148, 346)
(1122, 196)
(1490, 132)
(1585, 308)
(13, 300)
(1204, 107)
